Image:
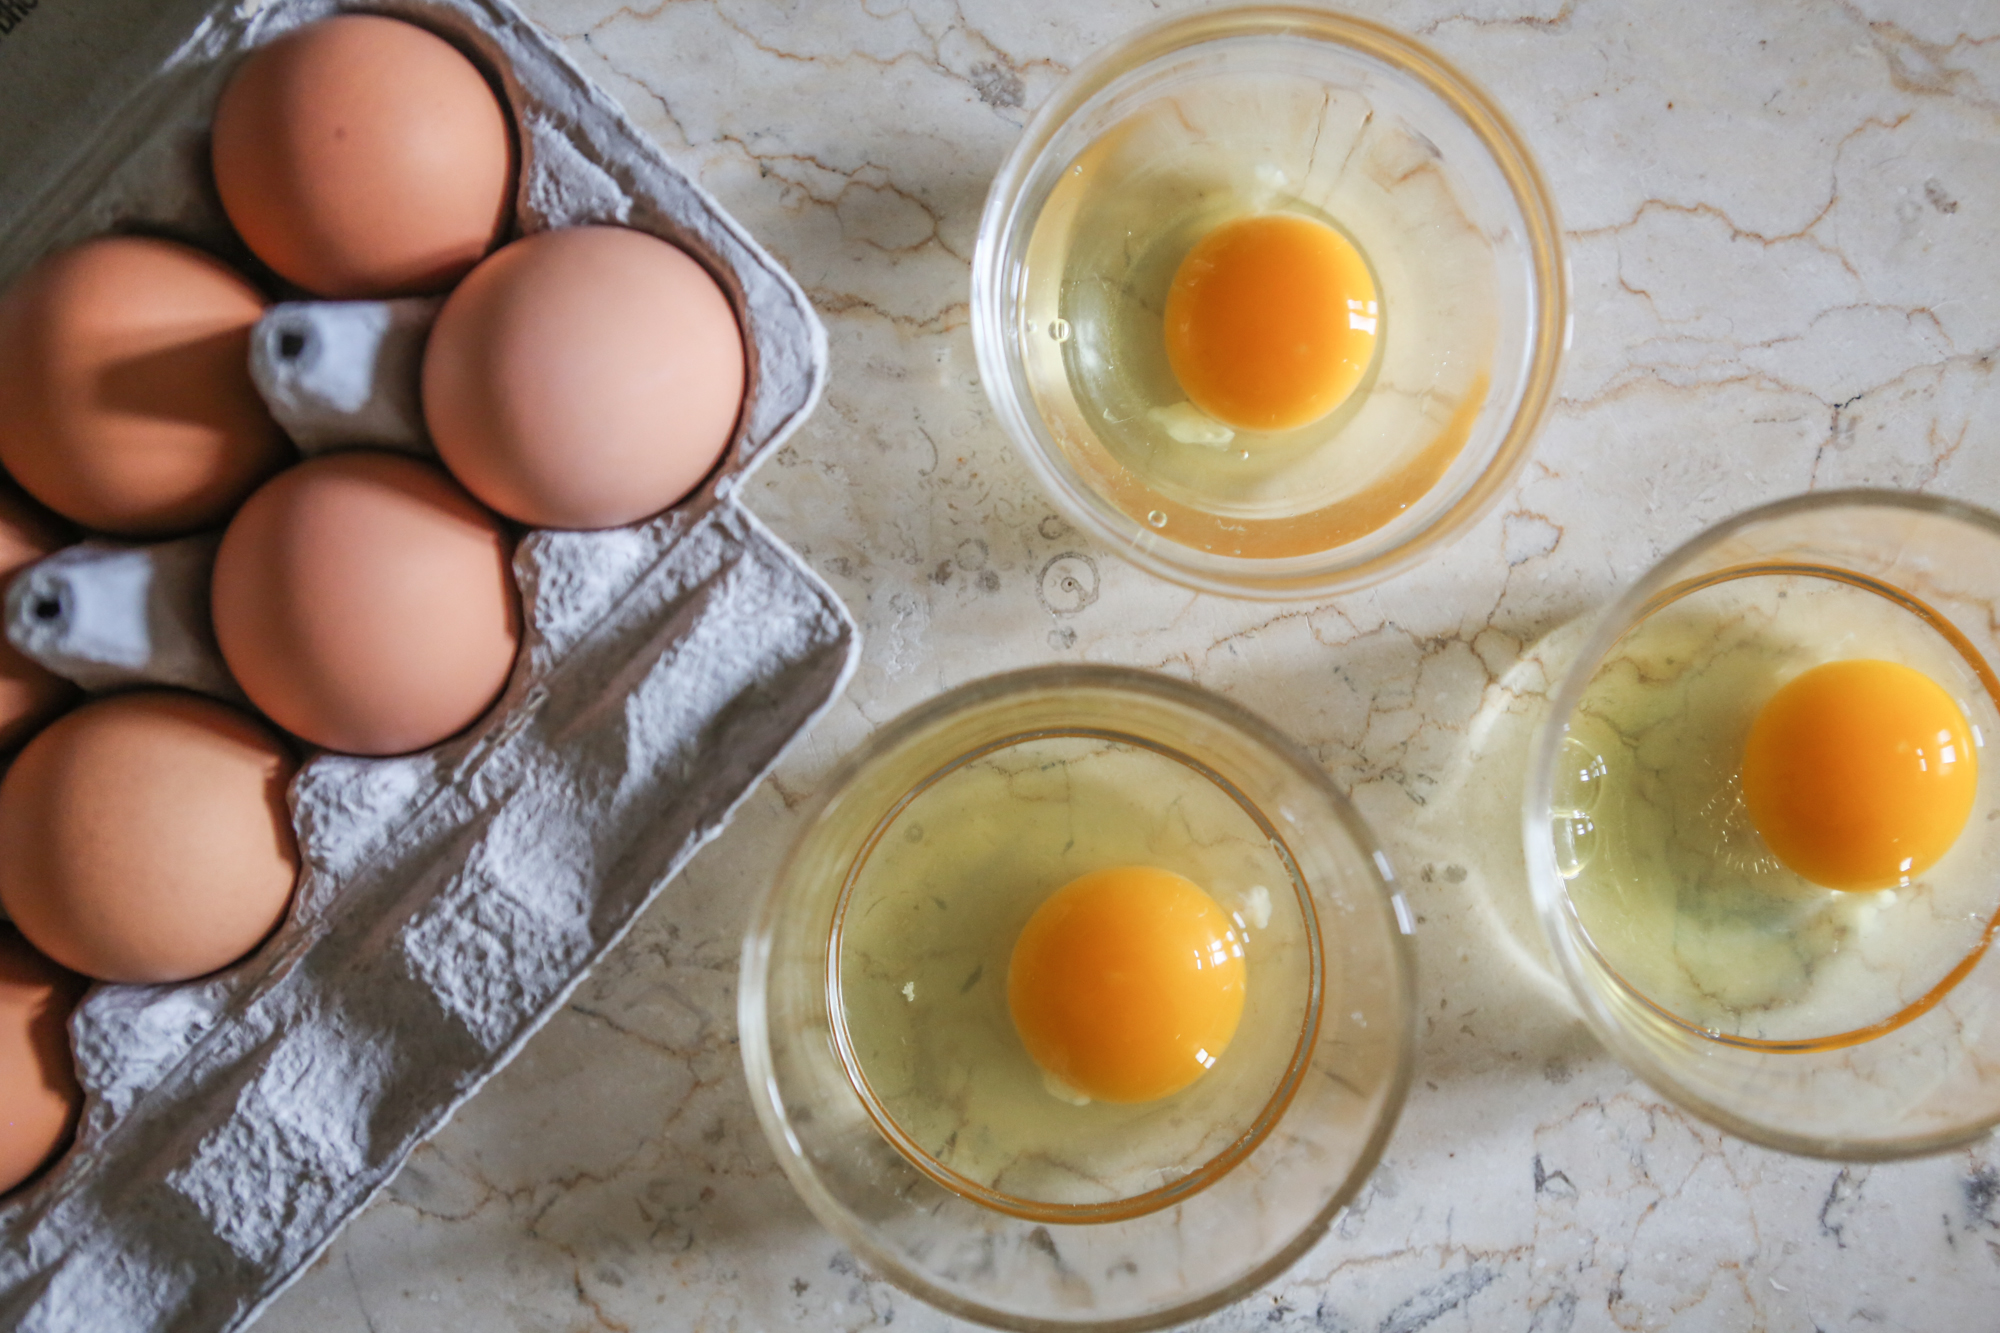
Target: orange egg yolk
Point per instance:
(1127, 984)
(1271, 321)
(1860, 774)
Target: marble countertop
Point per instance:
(1780, 222)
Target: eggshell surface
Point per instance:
(30, 694)
(363, 156)
(144, 837)
(366, 603)
(125, 394)
(584, 377)
(39, 1096)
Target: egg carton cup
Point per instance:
(448, 900)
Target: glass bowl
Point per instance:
(1183, 126)
(1841, 1024)
(888, 1077)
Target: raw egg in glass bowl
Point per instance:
(1763, 834)
(1271, 299)
(1082, 999)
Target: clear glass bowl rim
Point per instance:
(756, 958)
(1552, 904)
(1549, 289)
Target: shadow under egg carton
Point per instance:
(448, 900)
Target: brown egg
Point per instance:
(584, 378)
(30, 694)
(39, 1096)
(364, 156)
(144, 837)
(366, 603)
(125, 394)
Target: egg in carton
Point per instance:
(448, 900)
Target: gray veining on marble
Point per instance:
(1781, 223)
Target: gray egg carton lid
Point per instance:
(449, 900)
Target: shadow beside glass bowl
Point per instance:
(1851, 1024)
(885, 1067)
(1205, 119)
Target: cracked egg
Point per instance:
(1051, 986)
(1083, 987)
(1762, 834)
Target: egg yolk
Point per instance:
(1127, 984)
(1271, 321)
(1860, 774)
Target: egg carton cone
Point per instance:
(107, 615)
(449, 900)
(336, 374)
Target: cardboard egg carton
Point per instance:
(449, 900)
